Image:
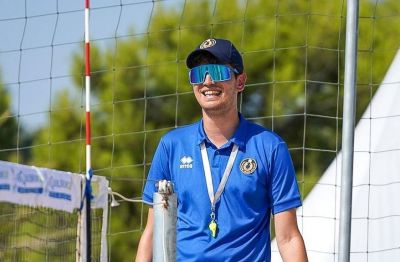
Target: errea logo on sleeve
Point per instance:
(186, 162)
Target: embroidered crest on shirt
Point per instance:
(248, 166)
(186, 162)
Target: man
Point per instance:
(239, 173)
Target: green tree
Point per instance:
(12, 137)
(8, 126)
(294, 58)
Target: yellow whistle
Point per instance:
(213, 228)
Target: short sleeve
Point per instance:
(284, 189)
(158, 171)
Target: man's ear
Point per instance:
(241, 81)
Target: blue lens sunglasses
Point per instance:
(218, 73)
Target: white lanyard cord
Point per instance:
(207, 173)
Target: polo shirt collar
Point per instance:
(238, 138)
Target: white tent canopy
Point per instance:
(375, 232)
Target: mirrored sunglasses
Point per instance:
(218, 73)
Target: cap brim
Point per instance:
(192, 55)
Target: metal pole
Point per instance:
(164, 228)
(350, 84)
(88, 139)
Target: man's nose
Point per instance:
(208, 80)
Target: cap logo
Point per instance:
(208, 43)
(248, 166)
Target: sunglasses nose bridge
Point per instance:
(208, 79)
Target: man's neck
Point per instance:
(220, 128)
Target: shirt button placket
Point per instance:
(216, 158)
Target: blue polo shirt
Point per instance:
(262, 181)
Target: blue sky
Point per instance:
(39, 37)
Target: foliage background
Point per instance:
(294, 57)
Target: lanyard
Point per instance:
(207, 173)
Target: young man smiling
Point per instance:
(240, 173)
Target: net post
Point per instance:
(89, 171)
(349, 105)
(164, 230)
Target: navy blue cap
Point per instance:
(223, 50)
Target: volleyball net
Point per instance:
(294, 57)
(42, 216)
